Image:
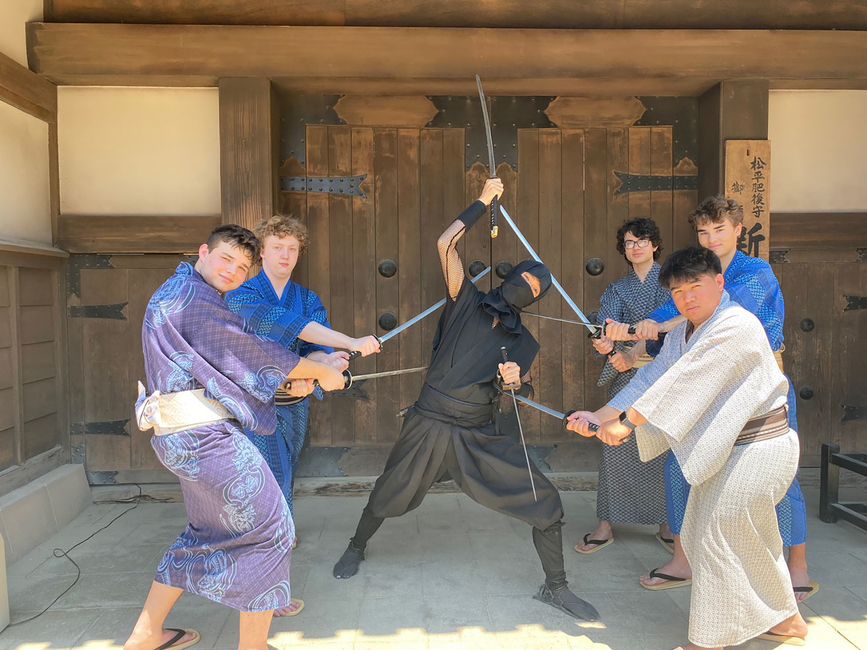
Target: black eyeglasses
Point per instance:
(636, 243)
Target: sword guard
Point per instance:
(347, 378)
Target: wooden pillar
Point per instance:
(249, 140)
(731, 110)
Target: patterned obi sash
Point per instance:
(175, 412)
(765, 427)
(437, 405)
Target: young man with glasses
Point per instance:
(629, 492)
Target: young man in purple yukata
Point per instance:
(209, 380)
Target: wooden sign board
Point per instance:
(748, 181)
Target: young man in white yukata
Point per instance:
(716, 397)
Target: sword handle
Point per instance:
(347, 380)
(598, 334)
(354, 354)
(593, 427)
(495, 211)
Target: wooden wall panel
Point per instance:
(662, 201)
(572, 273)
(412, 353)
(319, 258)
(341, 299)
(849, 384)
(527, 218)
(596, 237)
(364, 278)
(550, 239)
(247, 142)
(386, 174)
(433, 215)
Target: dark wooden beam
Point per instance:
(113, 54)
(112, 234)
(26, 90)
(731, 110)
(819, 230)
(249, 140)
(600, 14)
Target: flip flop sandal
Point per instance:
(811, 590)
(667, 543)
(779, 638)
(293, 609)
(671, 582)
(597, 544)
(172, 644)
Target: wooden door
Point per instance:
(572, 190)
(107, 296)
(414, 188)
(575, 188)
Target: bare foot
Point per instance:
(677, 568)
(149, 642)
(292, 609)
(602, 532)
(800, 578)
(794, 626)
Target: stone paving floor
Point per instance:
(450, 575)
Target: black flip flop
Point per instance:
(179, 634)
(597, 544)
(671, 582)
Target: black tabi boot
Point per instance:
(353, 556)
(347, 565)
(555, 591)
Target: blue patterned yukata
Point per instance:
(751, 283)
(629, 492)
(281, 319)
(236, 548)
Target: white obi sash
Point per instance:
(175, 412)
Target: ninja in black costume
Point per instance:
(450, 430)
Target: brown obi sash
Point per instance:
(765, 427)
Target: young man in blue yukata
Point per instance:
(751, 283)
(277, 308)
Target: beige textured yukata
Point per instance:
(697, 396)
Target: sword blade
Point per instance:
(388, 373)
(492, 167)
(427, 312)
(560, 320)
(535, 256)
(549, 411)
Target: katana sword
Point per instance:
(492, 165)
(600, 329)
(552, 412)
(412, 321)
(282, 399)
(384, 373)
(562, 320)
(595, 331)
(520, 429)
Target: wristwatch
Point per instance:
(625, 421)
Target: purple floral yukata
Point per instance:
(236, 548)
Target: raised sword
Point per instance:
(415, 319)
(492, 164)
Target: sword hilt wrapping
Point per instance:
(593, 427)
(347, 380)
(495, 210)
(354, 354)
(598, 334)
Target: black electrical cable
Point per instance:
(59, 552)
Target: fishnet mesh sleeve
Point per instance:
(453, 268)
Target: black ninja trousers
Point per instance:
(490, 469)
